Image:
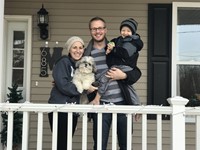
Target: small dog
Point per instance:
(84, 73)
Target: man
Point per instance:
(114, 95)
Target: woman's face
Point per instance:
(76, 50)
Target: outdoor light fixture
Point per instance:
(43, 20)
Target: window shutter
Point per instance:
(159, 53)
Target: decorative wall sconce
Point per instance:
(43, 20)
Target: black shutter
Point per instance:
(159, 53)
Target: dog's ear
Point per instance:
(91, 59)
(78, 63)
(94, 69)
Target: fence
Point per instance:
(177, 110)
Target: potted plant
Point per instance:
(15, 96)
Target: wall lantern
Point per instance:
(43, 20)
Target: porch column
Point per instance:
(1, 46)
(178, 122)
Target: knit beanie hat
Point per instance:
(131, 23)
(71, 41)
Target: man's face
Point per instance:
(98, 30)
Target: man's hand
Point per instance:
(95, 102)
(116, 74)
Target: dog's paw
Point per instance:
(80, 90)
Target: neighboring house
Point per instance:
(169, 60)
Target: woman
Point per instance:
(64, 91)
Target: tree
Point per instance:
(13, 97)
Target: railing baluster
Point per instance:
(25, 130)
(99, 132)
(144, 132)
(114, 131)
(129, 131)
(197, 133)
(40, 131)
(69, 131)
(84, 131)
(159, 132)
(55, 130)
(10, 130)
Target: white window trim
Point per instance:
(176, 5)
(28, 19)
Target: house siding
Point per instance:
(71, 17)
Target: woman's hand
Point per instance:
(116, 74)
(95, 102)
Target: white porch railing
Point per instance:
(177, 110)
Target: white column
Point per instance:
(178, 122)
(1, 53)
(1, 46)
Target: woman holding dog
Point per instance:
(64, 91)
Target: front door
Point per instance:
(18, 53)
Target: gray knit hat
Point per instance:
(131, 23)
(71, 41)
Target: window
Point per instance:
(186, 52)
(18, 58)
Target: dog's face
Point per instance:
(86, 64)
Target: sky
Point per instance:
(188, 42)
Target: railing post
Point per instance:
(178, 122)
